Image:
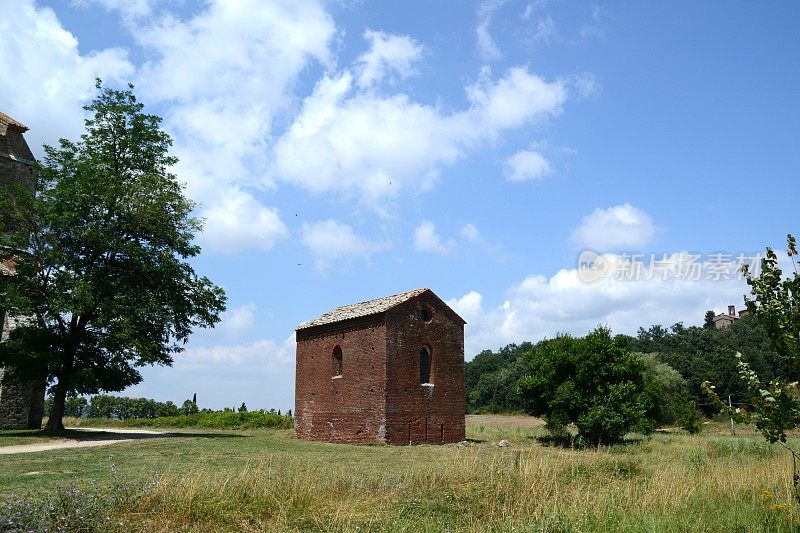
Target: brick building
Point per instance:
(389, 370)
(723, 320)
(21, 404)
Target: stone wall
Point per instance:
(21, 403)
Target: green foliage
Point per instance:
(775, 404)
(189, 407)
(491, 380)
(701, 354)
(105, 406)
(592, 382)
(687, 415)
(210, 420)
(776, 304)
(74, 406)
(101, 257)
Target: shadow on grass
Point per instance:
(573, 442)
(92, 434)
(22, 433)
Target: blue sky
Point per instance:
(342, 151)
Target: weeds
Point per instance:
(269, 481)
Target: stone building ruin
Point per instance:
(389, 370)
(21, 403)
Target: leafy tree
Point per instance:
(189, 407)
(708, 322)
(700, 354)
(105, 406)
(667, 395)
(243, 408)
(73, 406)
(101, 257)
(492, 379)
(776, 304)
(592, 382)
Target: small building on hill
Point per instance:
(21, 403)
(723, 320)
(389, 370)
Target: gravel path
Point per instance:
(94, 437)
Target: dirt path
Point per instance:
(94, 437)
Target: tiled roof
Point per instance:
(11, 122)
(370, 307)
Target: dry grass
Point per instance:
(668, 483)
(267, 481)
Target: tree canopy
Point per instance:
(101, 257)
(592, 382)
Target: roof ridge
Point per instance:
(360, 309)
(11, 122)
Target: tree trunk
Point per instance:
(55, 423)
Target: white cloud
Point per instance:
(617, 227)
(255, 51)
(129, 9)
(238, 320)
(517, 98)
(365, 145)
(532, 8)
(586, 85)
(378, 147)
(226, 376)
(237, 221)
(593, 28)
(249, 48)
(470, 233)
(487, 48)
(387, 53)
(546, 30)
(263, 354)
(46, 78)
(526, 165)
(227, 73)
(427, 240)
(539, 306)
(330, 240)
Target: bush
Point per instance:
(592, 382)
(105, 406)
(214, 420)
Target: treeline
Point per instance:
(679, 359)
(124, 408)
(225, 419)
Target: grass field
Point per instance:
(265, 480)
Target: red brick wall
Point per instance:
(378, 397)
(418, 413)
(350, 408)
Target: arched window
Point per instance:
(424, 365)
(337, 361)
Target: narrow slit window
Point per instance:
(337, 361)
(424, 365)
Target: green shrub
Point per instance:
(213, 420)
(592, 382)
